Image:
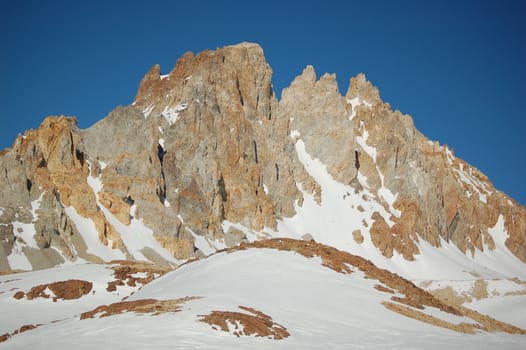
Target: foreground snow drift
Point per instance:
(272, 294)
(22, 308)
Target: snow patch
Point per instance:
(389, 198)
(95, 183)
(171, 114)
(17, 260)
(446, 316)
(449, 156)
(362, 141)
(354, 102)
(140, 275)
(27, 231)
(146, 112)
(136, 236)
(35, 205)
(24, 237)
(509, 309)
(501, 259)
(250, 235)
(103, 165)
(204, 244)
(342, 211)
(88, 231)
(467, 177)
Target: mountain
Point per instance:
(205, 160)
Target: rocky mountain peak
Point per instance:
(308, 76)
(212, 78)
(206, 157)
(361, 88)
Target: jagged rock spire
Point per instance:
(206, 157)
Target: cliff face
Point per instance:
(223, 149)
(437, 195)
(206, 157)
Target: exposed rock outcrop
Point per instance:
(438, 195)
(143, 306)
(206, 155)
(223, 142)
(67, 290)
(251, 322)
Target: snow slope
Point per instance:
(342, 211)
(16, 313)
(319, 307)
(136, 236)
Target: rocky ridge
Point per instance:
(207, 157)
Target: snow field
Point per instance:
(319, 307)
(16, 313)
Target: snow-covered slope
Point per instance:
(327, 300)
(341, 211)
(29, 299)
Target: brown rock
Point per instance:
(67, 290)
(254, 323)
(19, 295)
(357, 236)
(117, 206)
(143, 306)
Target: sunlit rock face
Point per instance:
(206, 157)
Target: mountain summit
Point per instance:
(207, 173)
(206, 157)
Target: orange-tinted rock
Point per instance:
(209, 142)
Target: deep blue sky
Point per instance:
(458, 67)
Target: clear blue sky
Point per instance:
(458, 67)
